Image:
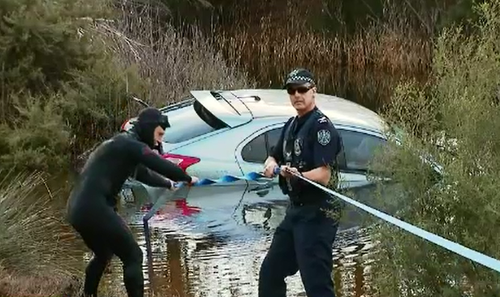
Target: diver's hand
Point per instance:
(194, 180)
(173, 185)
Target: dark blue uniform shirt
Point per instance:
(318, 145)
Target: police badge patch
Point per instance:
(296, 146)
(324, 137)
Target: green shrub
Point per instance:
(60, 88)
(456, 120)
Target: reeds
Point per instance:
(170, 62)
(396, 45)
(36, 244)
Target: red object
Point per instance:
(122, 128)
(186, 209)
(181, 204)
(182, 161)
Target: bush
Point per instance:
(60, 89)
(68, 67)
(456, 120)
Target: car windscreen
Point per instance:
(190, 120)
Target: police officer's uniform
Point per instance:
(304, 239)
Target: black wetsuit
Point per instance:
(91, 206)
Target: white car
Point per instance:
(214, 133)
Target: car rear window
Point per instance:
(189, 120)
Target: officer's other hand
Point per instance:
(269, 169)
(287, 171)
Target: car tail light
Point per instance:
(122, 128)
(182, 161)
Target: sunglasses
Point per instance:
(301, 90)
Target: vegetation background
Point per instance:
(430, 67)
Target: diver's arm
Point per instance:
(151, 178)
(147, 157)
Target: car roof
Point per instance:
(276, 103)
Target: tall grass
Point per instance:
(363, 64)
(35, 241)
(166, 58)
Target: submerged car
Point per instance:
(214, 133)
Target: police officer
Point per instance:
(308, 146)
(92, 203)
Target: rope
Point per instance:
(470, 254)
(438, 240)
(251, 176)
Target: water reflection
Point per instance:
(210, 241)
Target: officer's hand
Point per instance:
(284, 171)
(288, 171)
(269, 169)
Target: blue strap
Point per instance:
(251, 176)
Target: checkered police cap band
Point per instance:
(300, 76)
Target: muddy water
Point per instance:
(211, 241)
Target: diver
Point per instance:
(91, 208)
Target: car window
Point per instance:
(259, 148)
(189, 121)
(359, 148)
(255, 151)
(272, 138)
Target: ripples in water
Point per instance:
(212, 242)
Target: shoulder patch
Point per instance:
(322, 120)
(324, 137)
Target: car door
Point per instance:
(252, 152)
(359, 147)
(358, 150)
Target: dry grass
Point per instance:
(34, 234)
(43, 285)
(371, 62)
(46, 284)
(36, 245)
(170, 62)
(358, 64)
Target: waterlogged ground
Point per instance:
(211, 241)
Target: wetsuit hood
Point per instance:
(147, 121)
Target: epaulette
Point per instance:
(322, 120)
